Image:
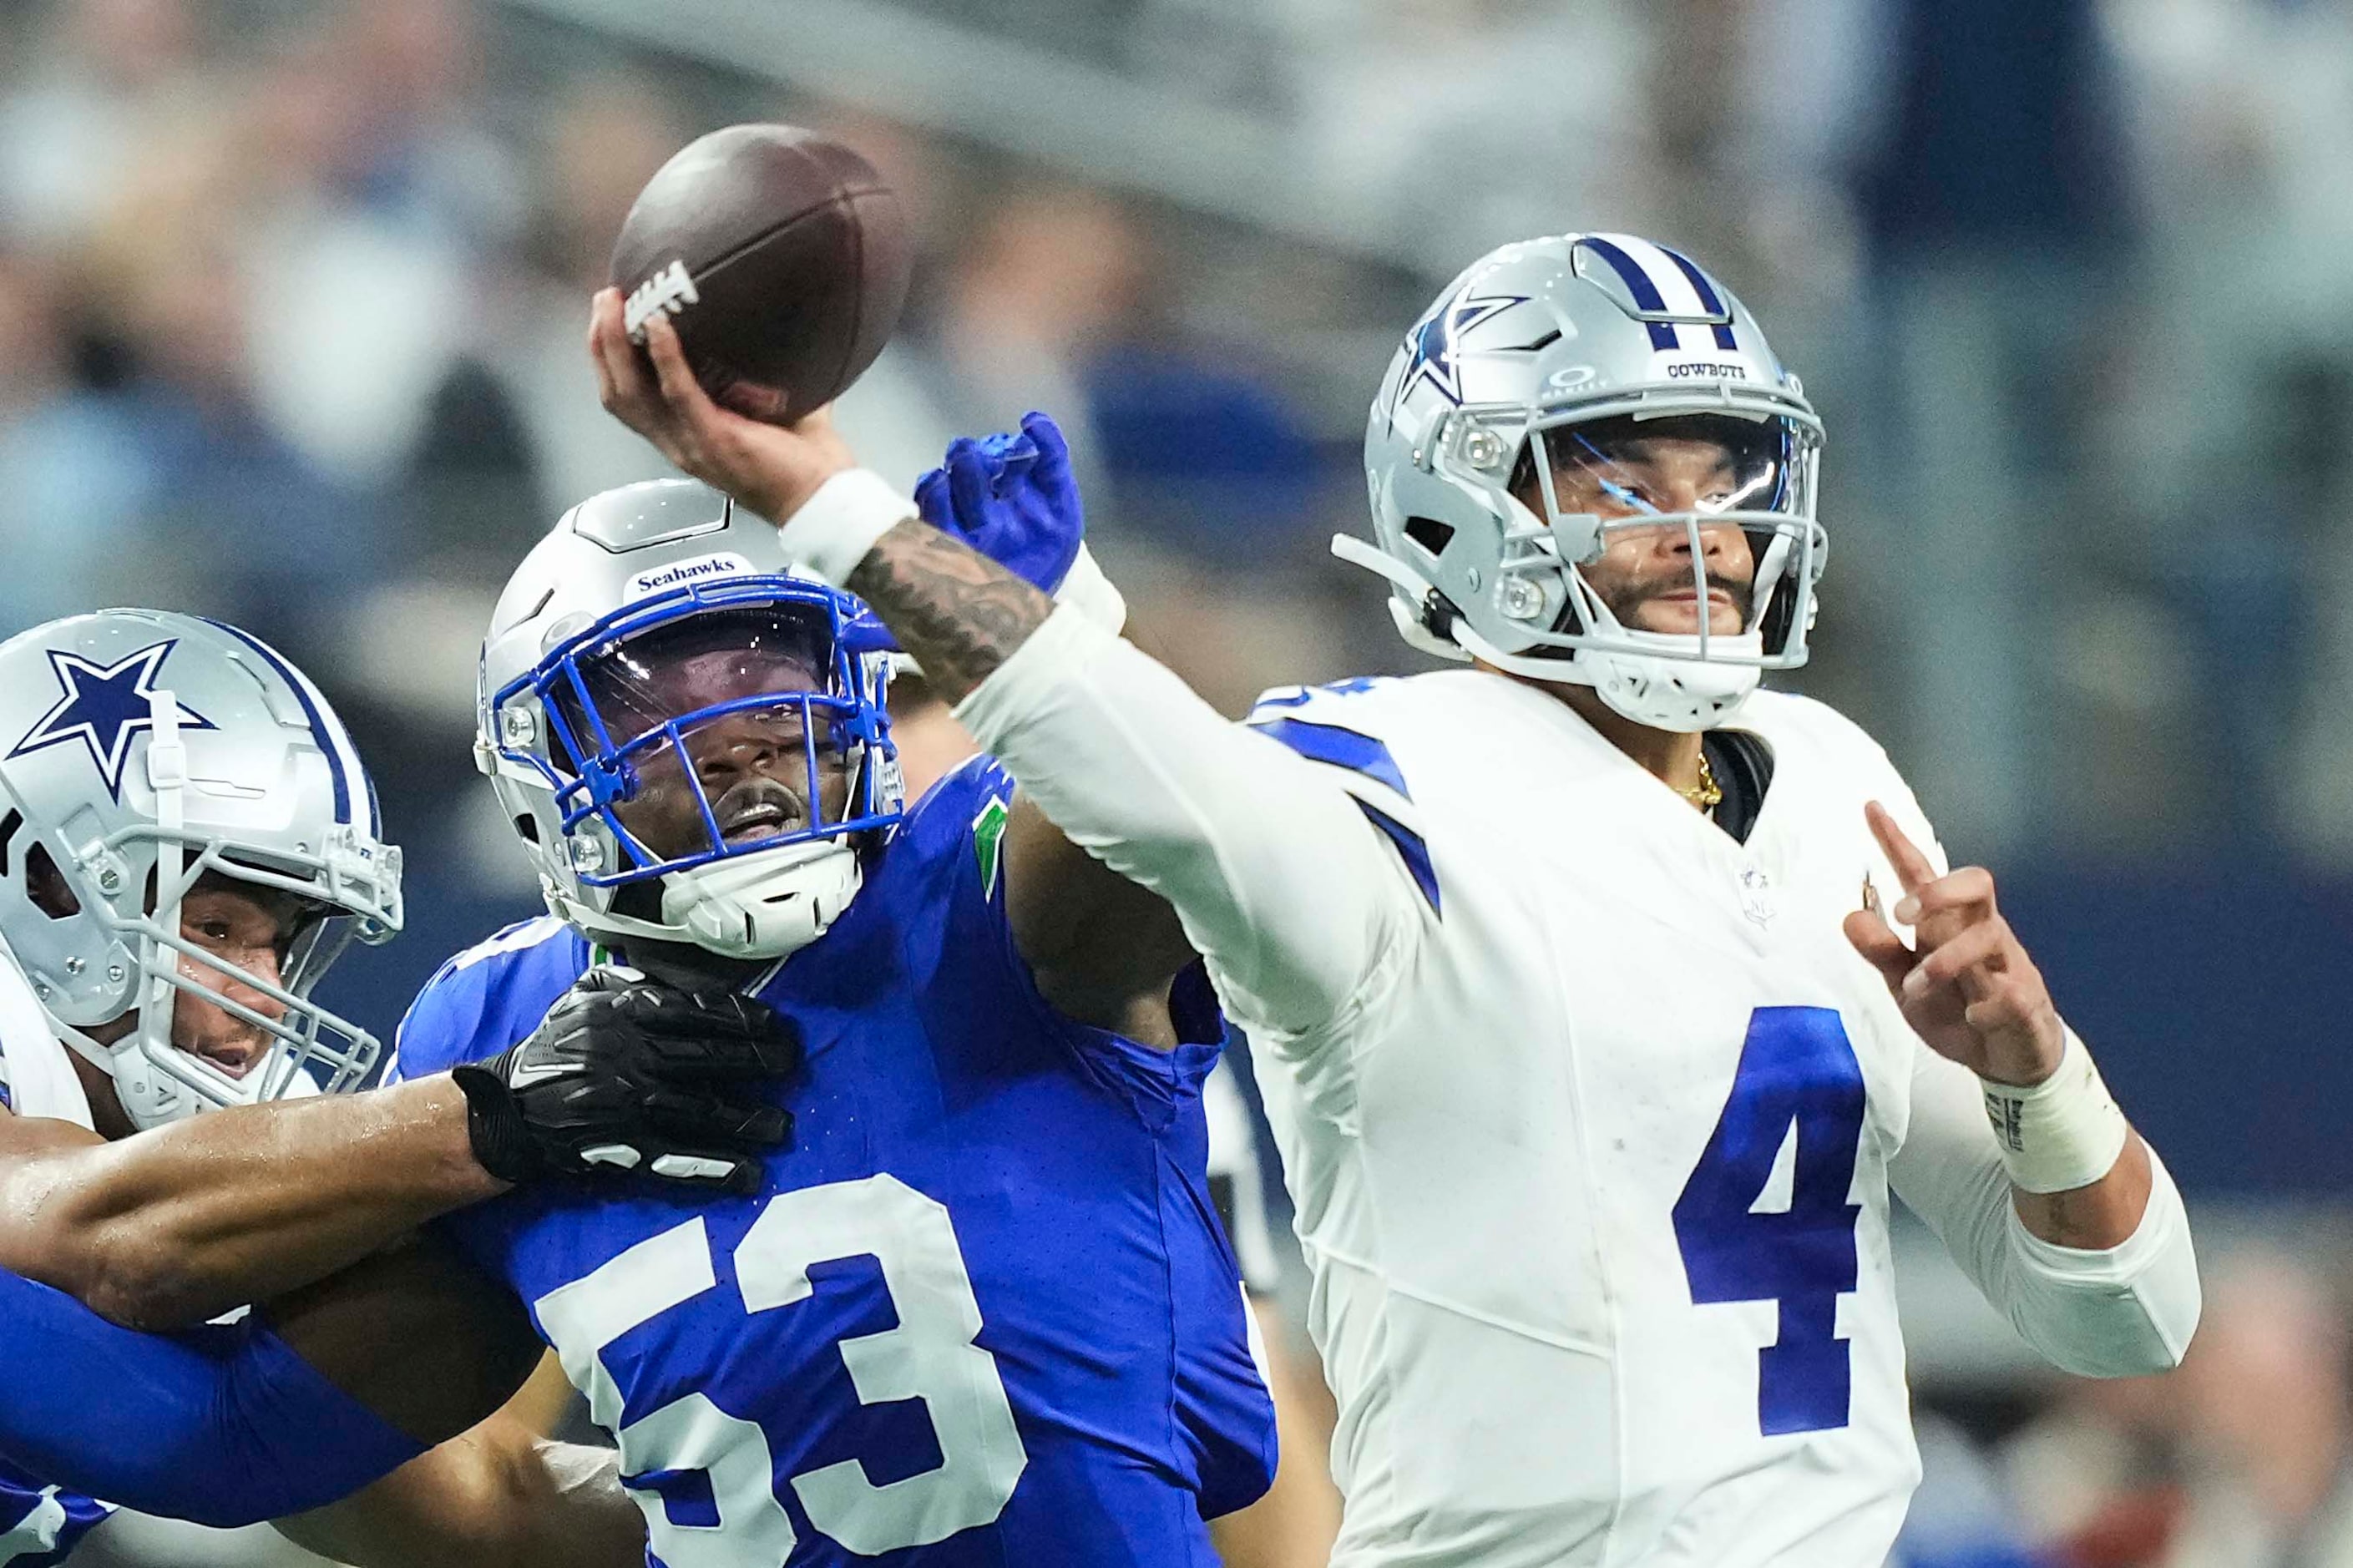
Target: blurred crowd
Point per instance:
(292, 295)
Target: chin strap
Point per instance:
(1372, 558)
(744, 909)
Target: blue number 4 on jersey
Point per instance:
(1798, 1078)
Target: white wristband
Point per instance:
(834, 529)
(2061, 1133)
(1086, 590)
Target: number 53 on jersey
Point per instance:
(930, 1355)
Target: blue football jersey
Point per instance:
(981, 1311)
(42, 1524)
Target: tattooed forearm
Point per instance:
(959, 612)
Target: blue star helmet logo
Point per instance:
(1438, 340)
(103, 706)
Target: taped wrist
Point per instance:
(2061, 1133)
(494, 1125)
(837, 527)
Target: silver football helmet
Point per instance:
(647, 619)
(146, 749)
(1539, 361)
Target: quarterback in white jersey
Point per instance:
(1590, 1039)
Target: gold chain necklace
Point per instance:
(1708, 794)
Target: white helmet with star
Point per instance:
(143, 751)
(1524, 364)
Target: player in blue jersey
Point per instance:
(186, 840)
(980, 1310)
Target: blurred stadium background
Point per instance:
(291, 298)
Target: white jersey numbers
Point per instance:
(929, 1356)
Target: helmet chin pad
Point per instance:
(1669, 693)
(1669, 689)
(764, 905)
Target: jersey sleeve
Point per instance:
(1282, 882)
(224, 1425)
(472, 1005)
(2120, 1311)
(947, 863)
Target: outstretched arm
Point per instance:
(178, 1224)
(321, 1407)
(1280, 882)
(181, 1223)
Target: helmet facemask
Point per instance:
(1569, 485)
(309, 1049)
(713, 755)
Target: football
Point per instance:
(780, 256)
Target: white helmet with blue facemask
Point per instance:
(141, 752)
(1555, 357)
(655, 649)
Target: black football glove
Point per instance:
(626, 1074)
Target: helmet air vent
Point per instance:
(1429, 533)
(46, 886)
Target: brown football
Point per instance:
(780, 256)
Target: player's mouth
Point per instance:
(756, 809)
(234, 1057)
(1678, 609)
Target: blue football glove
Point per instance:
(1010, 497)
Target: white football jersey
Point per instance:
(1589, 1113)
(1594, 1179)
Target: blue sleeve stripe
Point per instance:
(1411, 847)
(311, 711)
(1340, 748)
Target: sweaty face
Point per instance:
(252, 929)
(1624, 468)
(751, 765)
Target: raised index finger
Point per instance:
(1913, 869)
